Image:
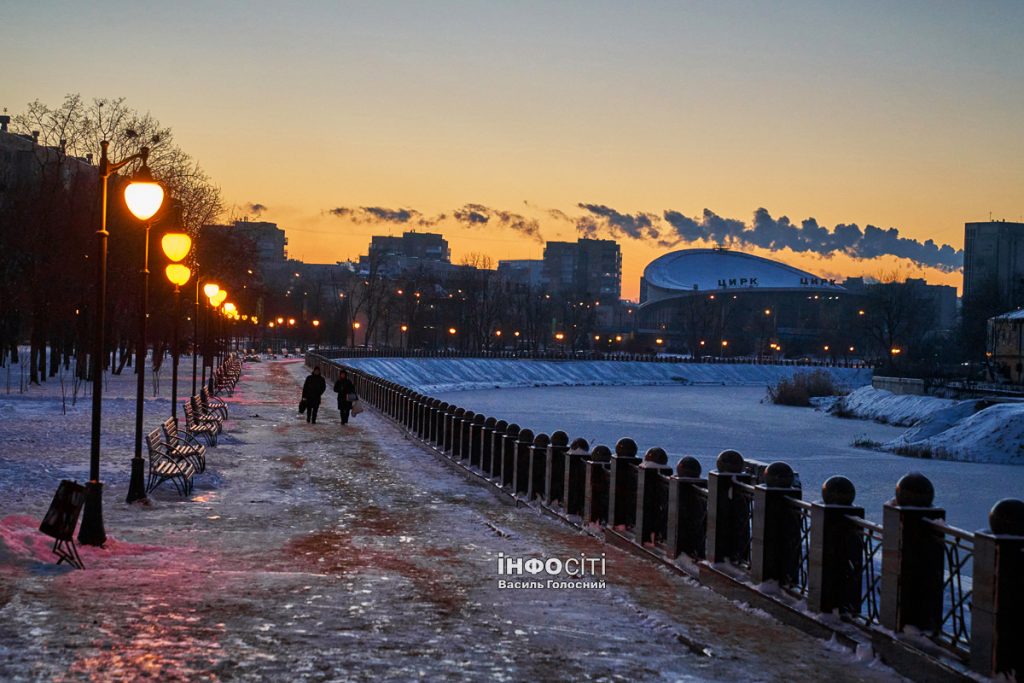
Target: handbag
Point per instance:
(356, 408)
(302, 405)
(351, 398)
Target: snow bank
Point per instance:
(995, 435)
(458, 374)
(972, 430)
(902, 410)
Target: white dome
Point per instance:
(718, 270)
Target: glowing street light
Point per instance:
(144, 197)
(210, 289)
(659, 341)
(560, 336)
(178, 275)
(452, 330)
(316, 323)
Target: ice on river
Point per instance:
(703, 421)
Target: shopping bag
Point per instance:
(357, 408)
(302, 406)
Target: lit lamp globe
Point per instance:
(143, 195)
(178, 274)
(176, 245)
(210, 290)
(218, 298)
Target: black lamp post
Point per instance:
(144, 197)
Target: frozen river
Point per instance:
(702, 421)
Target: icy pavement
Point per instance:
(322, 552)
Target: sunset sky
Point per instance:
(899, 114)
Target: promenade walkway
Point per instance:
(323, 552)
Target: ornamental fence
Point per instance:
(960, 594)
(361, 352)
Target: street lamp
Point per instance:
(143, 200)
(215, 301)
(176, 246)
(178, 275)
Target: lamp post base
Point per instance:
(91, 532)
(137, 485)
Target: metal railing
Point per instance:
(957, 587)
(746, 494)
(802, 510)
(870, 535)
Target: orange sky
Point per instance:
(890, 114)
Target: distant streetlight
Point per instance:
(659, 341)
(291, 321)
(767, 311)
(560, 336)
(452, 330)
(178, 276)
(144, 197)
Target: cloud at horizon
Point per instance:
(672, 228)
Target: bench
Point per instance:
(163, 467)
(212, 404)
(196, 425)
(183, 446)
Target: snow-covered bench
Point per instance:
(163, 467)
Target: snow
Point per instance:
(317, 552)
(995, 434)
(971, 430)
(702, 421)
(884, 406)
(431, 375)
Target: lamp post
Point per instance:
(210, 290)
(215, 301)
(144, 197)
(178, 274)
(176, 246)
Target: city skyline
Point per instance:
(876, 115)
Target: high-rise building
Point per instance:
(269, 240)
(591, 268)
(389, 255)
(994, 263)
(526, 272)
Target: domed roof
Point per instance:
(713, 270)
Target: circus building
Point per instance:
(723, 302)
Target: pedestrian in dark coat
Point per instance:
(346, 395)
(312, 389)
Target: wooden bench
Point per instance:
(212, 404)
(183, 446)
(196, 425)
(163, 467)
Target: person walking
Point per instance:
(346, 395)
(312, 389)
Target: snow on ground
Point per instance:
(994, 434)
(971, 430)
(315, 552)
(902, 410)
(429, 375)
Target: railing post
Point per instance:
(476, 428)
(622, 484)
(595, 498)
(449, 427)
(508, 454)
(574, 484)
(462, 417)
(521, 462)
(465, 432)
(997, 611)
(651, 514)
(913, 558)
(554, 467)
(537, 465)
(724, 539)
(437, 423)
(486, 443)
(775, 530)
(835, 561)
(687, 510)
(497, 448)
